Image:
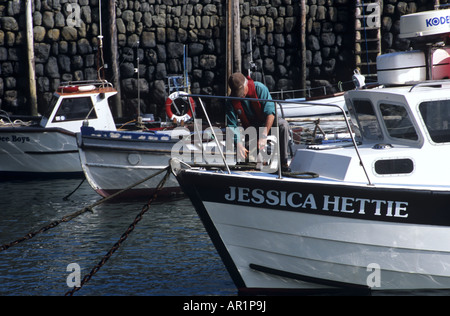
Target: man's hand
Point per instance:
(242, 152)
(262, 142)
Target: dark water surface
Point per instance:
(168, 253)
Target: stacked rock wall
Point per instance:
(153, 35)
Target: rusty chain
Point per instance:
(124, 236)
(69, 217)
(47, 227)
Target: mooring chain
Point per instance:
(69, 217)
(45, 228)
(124, 235)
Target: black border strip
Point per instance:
(402, 68)
(51, 152)
(309, 279)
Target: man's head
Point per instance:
(238, 85)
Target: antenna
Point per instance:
(100, 60)
(252, 63)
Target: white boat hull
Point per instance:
(296, 242)
(116, 161)
(119, 170)
(299, 244)
(38, 152)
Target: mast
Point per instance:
(303, 45)
(31, 60)
(233, 45)
(236, 37)
(116, 99)
(229, 51)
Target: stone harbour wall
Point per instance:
(152, 35)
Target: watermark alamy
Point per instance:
(200, 146)
(74, 277)
(374, 277)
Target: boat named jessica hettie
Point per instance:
(370, 214)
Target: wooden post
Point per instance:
(229, 50)
(31, 60)
(116, 100)
(233, 40)
(237, 61)
(303, 44)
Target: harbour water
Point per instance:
(168, 254)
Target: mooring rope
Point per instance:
(123, 237)
(70, 194)
(89, 208)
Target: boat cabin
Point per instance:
(402, 127)
(408, 116)
(77, 102)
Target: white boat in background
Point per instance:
(49, 148)
(311, 106)
(308, 108)
(114, 160)
(371, 214)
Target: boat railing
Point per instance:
(313, 92)
(430, 83)
(277, 102)
(97, 83)
(441, 6)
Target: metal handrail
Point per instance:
(95, 82)
(347, 122)
(429, 83)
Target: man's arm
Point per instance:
(269, 110)
(232, 124)
(263, 93)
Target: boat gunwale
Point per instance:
(323, 180)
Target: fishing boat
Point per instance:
(126, 161)
(371, 214)
(48, 147)
(115, 160)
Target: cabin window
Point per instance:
(74, 109)
(394, 166)
(367, 120)
(398, 122)
(436, 116)
(53, 103)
